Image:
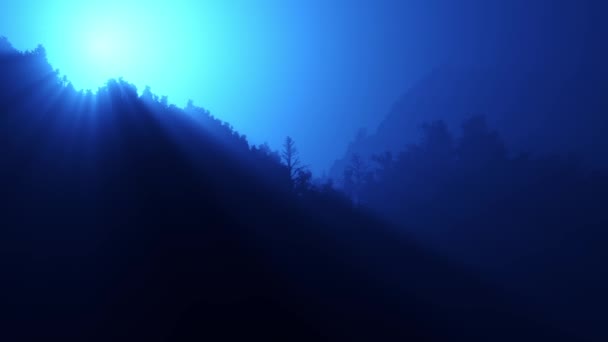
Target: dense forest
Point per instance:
(540, 110)
(537, 226)
(126, 218)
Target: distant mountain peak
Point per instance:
(537, 110)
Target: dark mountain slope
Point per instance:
(125, 219)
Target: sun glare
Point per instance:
(102, 47)
(141, 41)
(110, 50)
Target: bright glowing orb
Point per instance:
(106, 48)
(113, 48)
(140, 41)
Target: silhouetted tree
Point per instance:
(300, 177)
(384, 162)
(479, 144)
(303, 181)
(356, 176)
(291, 158)
(5, 46)
(39, 51)
(359, 169)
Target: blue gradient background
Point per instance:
(316, 70)
(270, 68)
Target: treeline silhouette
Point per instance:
(125, 218)
(537, 225)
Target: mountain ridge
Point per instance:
(537, 111)
(125, 219)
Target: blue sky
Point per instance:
(271, 68)
(316, 70)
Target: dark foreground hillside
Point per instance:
(123, 218)
(535, 225)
